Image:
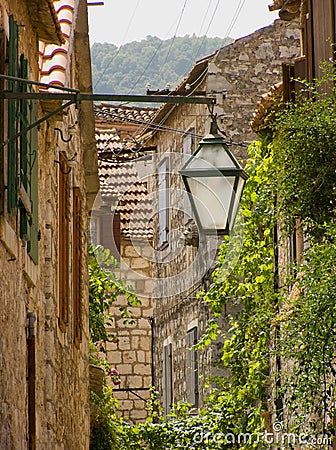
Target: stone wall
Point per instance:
(131, 352)
(245, 70)
(237, 76)
(60, 392)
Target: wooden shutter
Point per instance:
(168, 378)
(24, 152)
(319, 34)
(28, 173)
(33, 183)
(287, 82)
(77, 264)
(13, 106)
(163, 202)
(192, 368)
(63, 240)
(110, 233)
(2, 120)
(323, 33)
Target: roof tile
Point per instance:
(53, 59)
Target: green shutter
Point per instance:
(33, 184)
(168, 377)
(23, 179)
(28, 179)
(192, 368)
(13, 106)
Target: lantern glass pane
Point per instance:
(210, 156)
(236, 201)
(212, 199)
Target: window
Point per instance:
(22, 152)
(192, 368)
(109, 233)
(28, 175)
(63, 240)
(189, 142)
(77, 291)
(3, 122)
(13, 114)
(168, 378)
(163, 203)
(188, 149)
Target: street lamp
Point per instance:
(215, 182)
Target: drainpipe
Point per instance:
(152, 324)
(31, 382)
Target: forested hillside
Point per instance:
(152, 61)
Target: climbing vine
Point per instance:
(304, 136)
(104, 289)
(291, 181)
(308, 335)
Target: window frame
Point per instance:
(168, 394)
(192, 391)
(163, 203)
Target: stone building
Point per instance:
(121, 222)
(236, 75)
(48, 180)
(317, 38)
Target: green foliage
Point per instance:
(308, 336)
(236, 406)
(304, 148)
(104, 289)
(152, 60)
(241, 395)
(106, 426)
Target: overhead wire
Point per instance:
(210, 23)
(235, 17)
(155, 126)
(118, 51)
(159, 125)
(149, 63)
(176, 30)
(231, 25)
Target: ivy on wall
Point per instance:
(293, 178)
(304, 137)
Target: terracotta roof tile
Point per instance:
(124, 114)
(111, 148)
(265, 108)
(53, 59)
(121, 182)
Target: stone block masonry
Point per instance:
(131, 354)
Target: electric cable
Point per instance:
(118, 51)
(158, 126)
(235, 17)
(174, 37)
(210, 23)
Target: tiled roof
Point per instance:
(121, 181)
(110, 147)
(194, 78)
(288, 9)
(108, 113)
(266, 107)
(53, 59)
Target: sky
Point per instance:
(122, 21)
